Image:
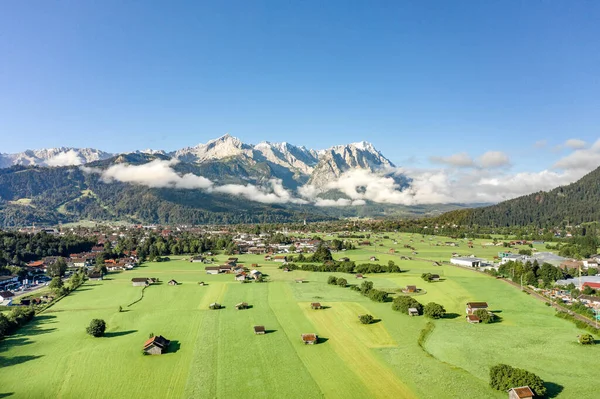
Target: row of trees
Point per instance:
(366, 289)
(345, 267)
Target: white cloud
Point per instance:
(575, 144)
(65, 159)
(540, 144)
(490, 159)
(157, 173)
(436, 186)
(460, 160)
(493, 159)
(274, 193)
(584, 159)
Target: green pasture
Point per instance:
(215, 353)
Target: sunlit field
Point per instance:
(215, 353)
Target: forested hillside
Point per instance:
(573, 204)
(51, 195)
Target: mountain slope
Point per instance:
(50, 195)
(339, 159)
(576, 203)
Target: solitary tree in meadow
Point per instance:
(96, 328)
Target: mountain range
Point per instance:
(228, 181)
(296, 165)
(221, 181)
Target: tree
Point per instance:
(56, 284)
(365, 287)
(342, 282)
(5, 325)
(485, 316)
(378, 295)
(366, 318)
(434, 310)
(96, 327)
(332, 280)
(57, 268)
(292, 248)
(588, 290)
(586, 339)
(322, 254)
(75, 280)
(503, 377)
(426, 277)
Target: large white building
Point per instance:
(468, 261)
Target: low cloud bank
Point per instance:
(486, 178)
(65, 159)
(160, 174)
(157, 173)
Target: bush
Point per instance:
(96, 328)
(342, 282)
(402, 303)
(332, 280)
(503, 377)
(586, 339)
(434, 310)
(366, 318)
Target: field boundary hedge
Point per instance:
(140, 298)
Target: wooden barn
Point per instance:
(156, 345)
(309, 339)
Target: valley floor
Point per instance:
(215, 353)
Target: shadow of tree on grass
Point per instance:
(451, 315)
(552, 389)
(113, 334)
(11, 361)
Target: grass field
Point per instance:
(215, 354)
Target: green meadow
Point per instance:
(215, 353)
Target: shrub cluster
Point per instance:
(403, 303)
(586, 339)
(16, 318)
(434, 310)
(503, 377)
(485, 316)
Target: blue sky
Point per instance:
(417, 79)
